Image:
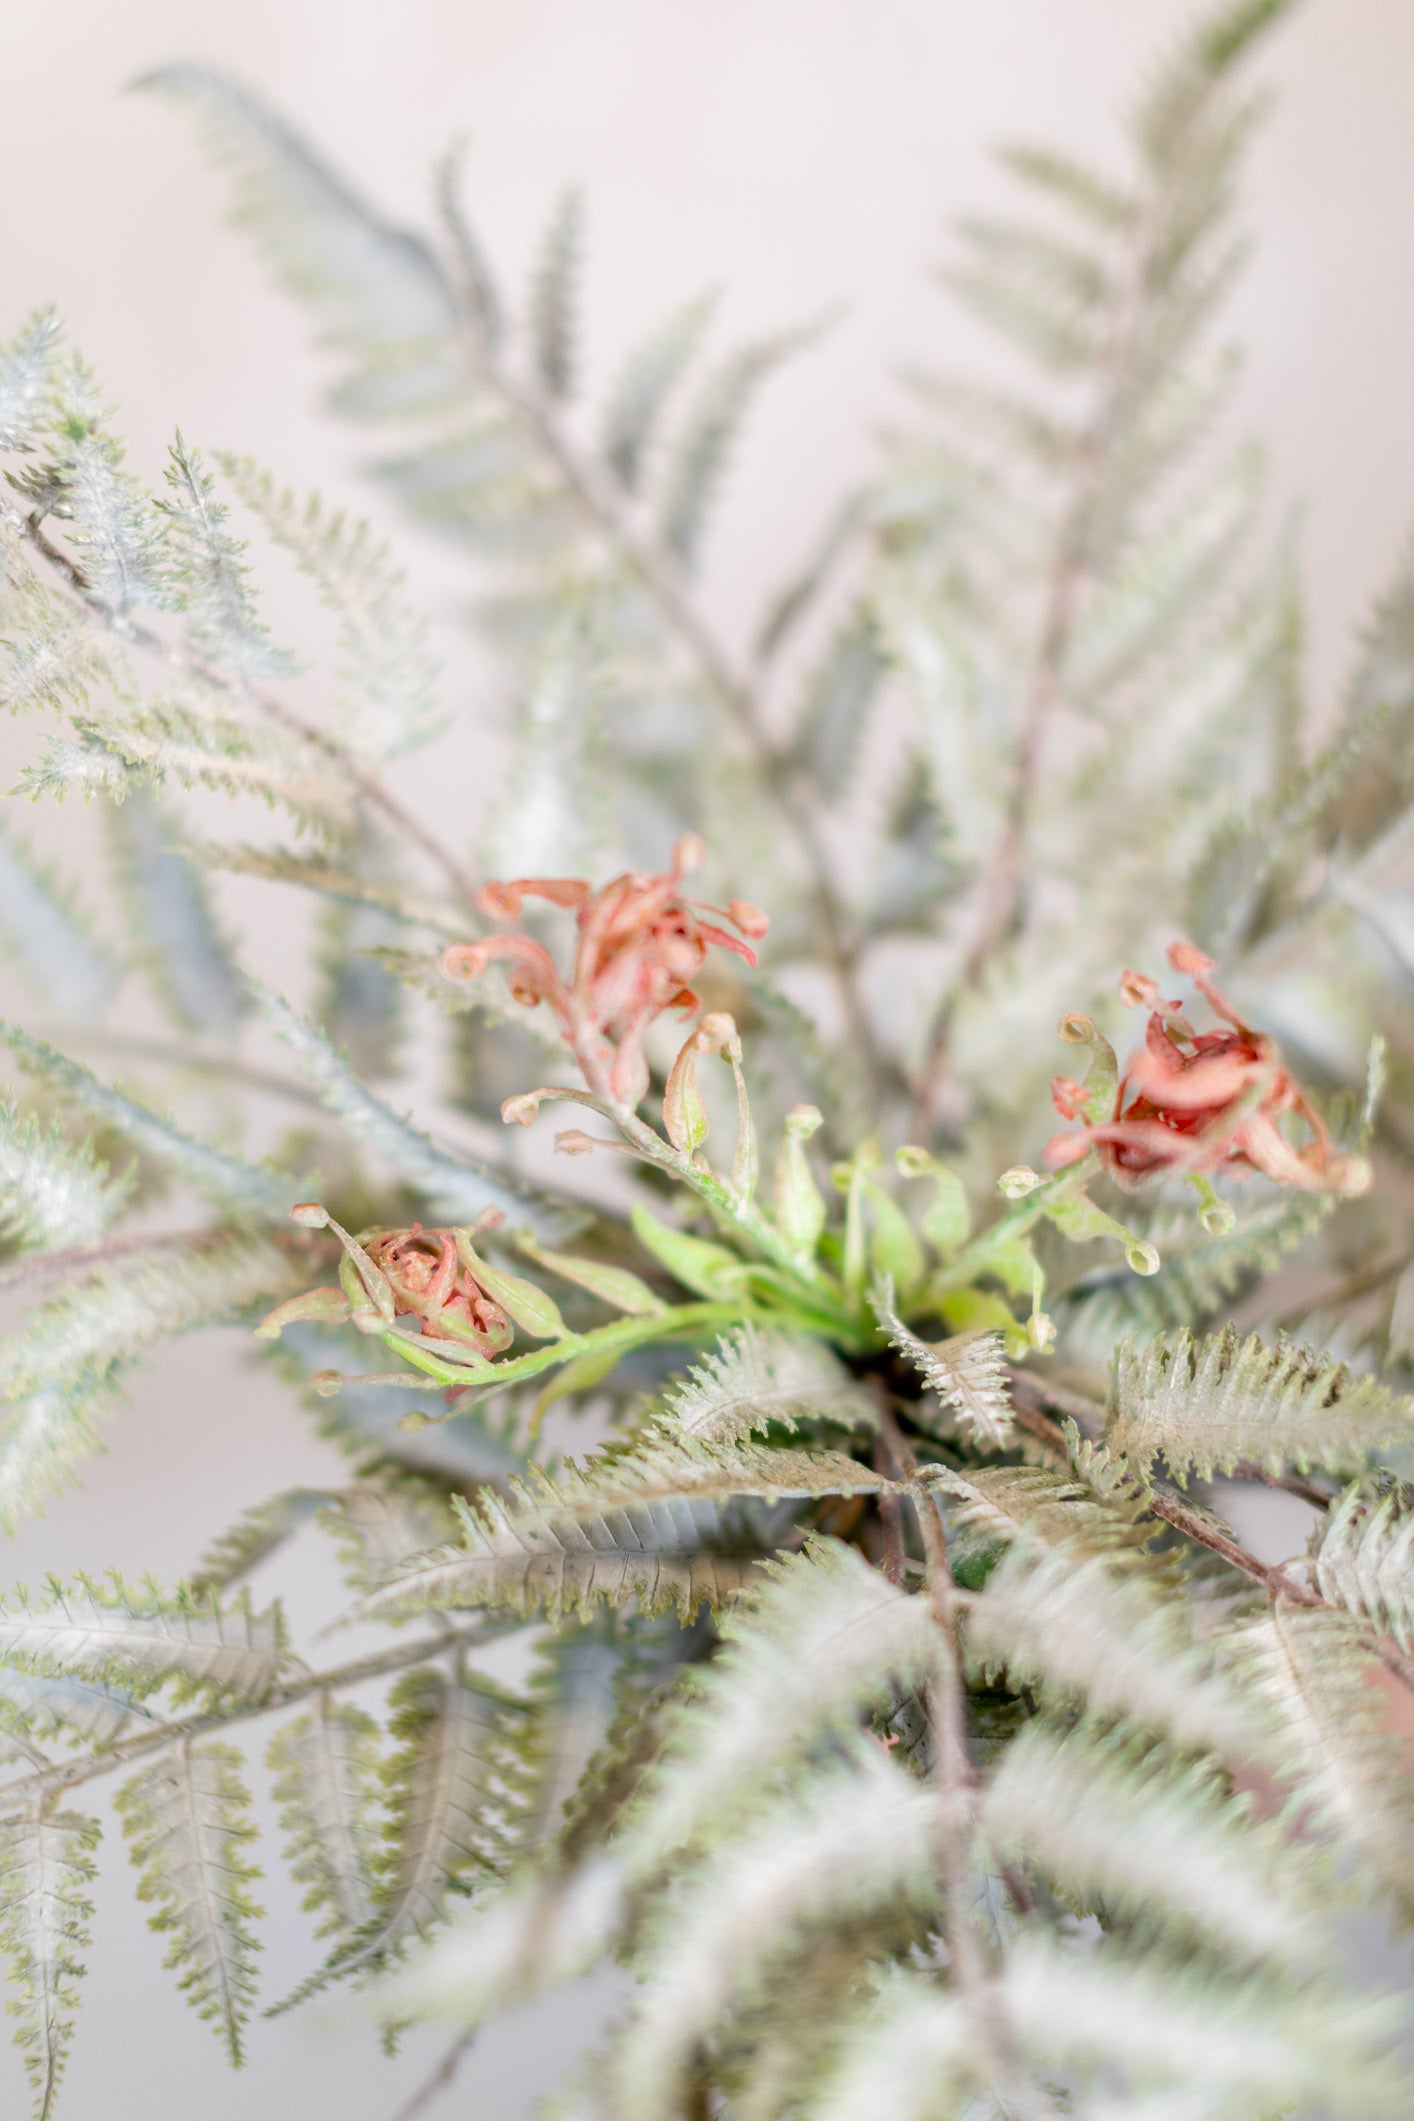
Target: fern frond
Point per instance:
(329, 1794)
(210, 580)
(1081, 1634)
(841, 695)
(697, 459)
(189, 959)
(51, 658)
(665, 1519)
(455, 1185)
(1046, 1508)
(758, 1378)
(852, 1843)
(185, 736)
(46, 1870)
(387, 704)
(77, 1710)
(1202, 1405)
(187, 1824)
(116, 1311)
(968, 1374)
(554, 324)
(1345, 1758)
(137, 1639)
(377, 289)
(1363, 1558)
(29, 365)
(545, 1928)
(644, 386)
(45, 1436)
(252, 1538)
(823, 1637)
(1118, 1828)
(49, 938)
(387, 1516)
(216, 1175)
(113, 523)
(53, 1193)
(572, 1700)
(444, 1796)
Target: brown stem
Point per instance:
(946, 1704)
(439, 2080)
(68, 1774)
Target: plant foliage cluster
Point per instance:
(894, 1702)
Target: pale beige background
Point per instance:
(797, 150)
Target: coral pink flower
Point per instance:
(640, 946)
(431, 1281)
(1194, 1102)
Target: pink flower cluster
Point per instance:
(640, 946)
(431, 1281)
(1194, 1102)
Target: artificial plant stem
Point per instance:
(68, 1774)
(956, 1829)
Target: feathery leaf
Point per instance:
(46, 1870)
(967, 1373)
(186, 1818)
(48, 938)
(327, 1787)
(758, 1378)
(137, 1639)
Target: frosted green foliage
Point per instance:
(820, 1638)
(385, 668)
(1364, 1558)
(1119, 1828)
(442, 1787)
(837, 708)
(137, 1638)
(757, 1380)
(885, 1713)
(1202, 1405)
(123, 1306)
(112, 524)
(219, 1177)
(45, 1437)
(553, 304)
(1344, 1758)
(46, 1870)
(697, 459)
(967, 1373)
(190, 960)
(1080, 1633)
(456, 1186)
(665, 1519)
(54, 1194)
(28, 374)
(48, 938)
(183, 736)
(327, 1787)
(209, 577)
(188, 1827)
(379, 290)
(858, 1844)
(645, 386)
(80, 1711)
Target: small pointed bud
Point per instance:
(1137, 991)
(804, 1120)
(413, 1420)
(1187, 957)
(1020, 1180)
(689, 854)
(752, 922)
(310, 1215)
(684, 1114)
(464, 961)
(1077, 1030)
(716, 1031)
(521, 1110)
(570, 1142)
(327, 1382)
